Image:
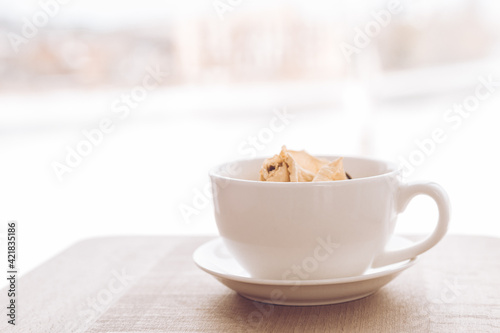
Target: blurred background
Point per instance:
(112, 112)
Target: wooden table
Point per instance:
(150, 284)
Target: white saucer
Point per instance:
(214, 258)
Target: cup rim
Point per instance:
(394, 169)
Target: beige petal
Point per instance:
(285, 168)
(297, 173)
(299, 166)
(331, 171)
(275, 169)
(308, 162)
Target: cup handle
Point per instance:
(406, 193)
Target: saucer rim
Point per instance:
(403, 265)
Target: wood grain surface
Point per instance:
(150, 284)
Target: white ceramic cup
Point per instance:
(318, 230)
